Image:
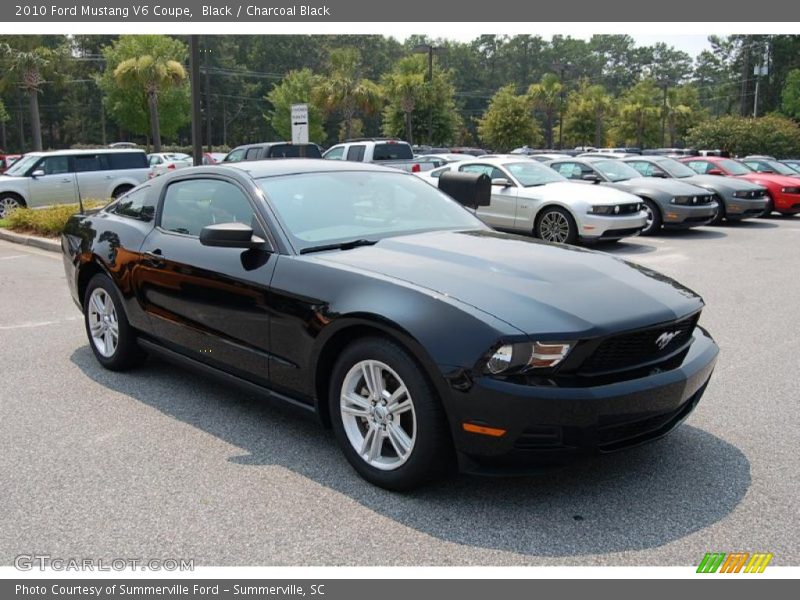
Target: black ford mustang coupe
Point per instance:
(422, 337)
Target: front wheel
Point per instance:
(556, 225)
(8, 203)
(111, 337)
(387, 417)
(653, 213)
(768, 209)
(720, 214)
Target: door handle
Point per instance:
(66, 181)
(154, 259)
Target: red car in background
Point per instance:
(783, 193)
(6, 160)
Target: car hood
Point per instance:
(674, 187)
(533, 286)
(781, 180)
(717, 182)
(564, 190)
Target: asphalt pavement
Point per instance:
(163, 463)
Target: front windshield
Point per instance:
(615, 170)
(734, 167)
(531, 173)
(19, 168)
(675, 168)
(339, 206)
(781, 168)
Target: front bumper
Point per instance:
(680, 215)
(744, 208)
(596, 227)
(787, 203)
(544, 423)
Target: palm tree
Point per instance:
(343, 90)
(546, 97)
(600, 104)
(406, 84)
(639, 110)
(28, 68)
(152, 71)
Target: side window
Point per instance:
(355, 152)
(89, 162)
(487, 169)
(193, 204)
(235, 155)
(139, 203)
(335, 153)
(155, 160)
(645, 168)
(54, 165)
(569, 170)
(438, 173)
(252, 153)
(124, 160)
(699, 166)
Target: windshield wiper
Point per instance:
(339, 246)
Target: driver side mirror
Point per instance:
(715, 172)
(591, 177)
(38, 173)
(230, 235)
(659, 174)
(501, 181)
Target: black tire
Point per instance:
(655, 222)
(431, 454)
(547, 221)
(122, 189)
(9, 202)
(769, 208)
(127, 353)
(720, 215)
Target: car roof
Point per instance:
(86, 151)
(294, 166)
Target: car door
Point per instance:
(502, 210)
(209, 303)
(53, 182)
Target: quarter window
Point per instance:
(137, 204)
(491, 171)
(193, 204)
(699, 166)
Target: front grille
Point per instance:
(638, 347)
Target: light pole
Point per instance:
(194, 83)
(562, 68)
(430, 50)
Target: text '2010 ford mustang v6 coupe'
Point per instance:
(423, 337)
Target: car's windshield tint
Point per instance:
(675, 168)
(332, 207)
(733, 167)
(20, 167)
(615, 170)
(531, 173)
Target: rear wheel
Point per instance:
(556, 225)
(119, 191)
(769, 208)
(111, 337)
(653, 213)
(387, 417)
(9, 202)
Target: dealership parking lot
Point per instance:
(163, 463)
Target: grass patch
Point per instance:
(3, 223)
(47, 222)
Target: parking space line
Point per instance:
(32, 324)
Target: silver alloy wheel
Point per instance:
(378, 415)
(103, 324)
(650, 217)
(554, 227)
(7, 204)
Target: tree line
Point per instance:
(495, 91)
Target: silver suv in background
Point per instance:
(61, 177)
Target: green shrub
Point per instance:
(48, 222)
(771, 134)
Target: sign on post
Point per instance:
(299, 123)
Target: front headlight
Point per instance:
(517, 358)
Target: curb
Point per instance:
(31, 240)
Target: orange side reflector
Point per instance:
(490, 431)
